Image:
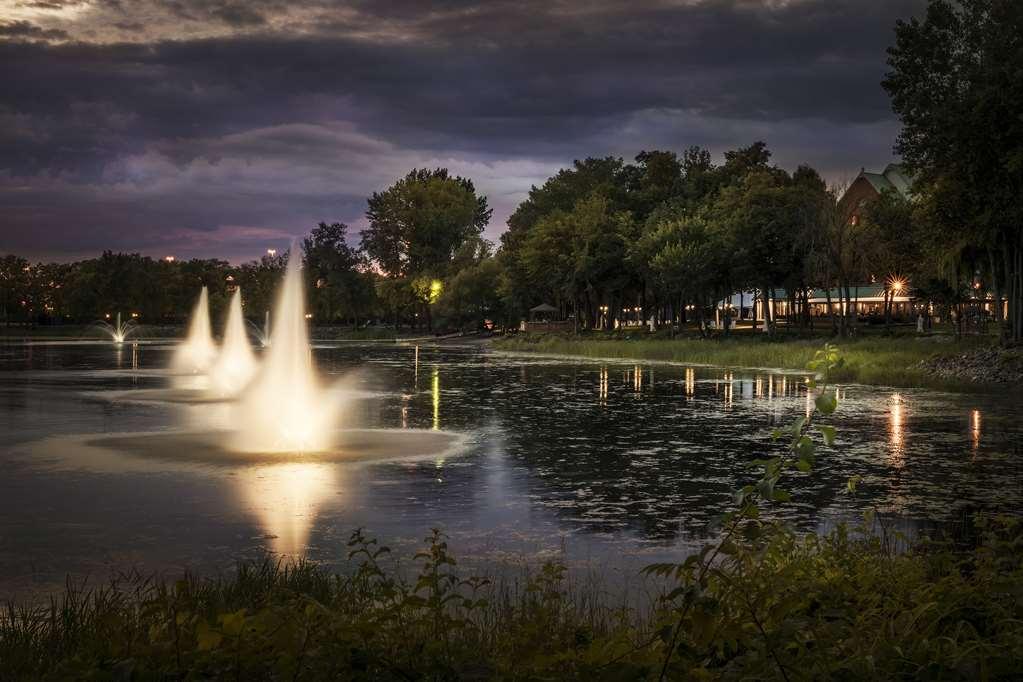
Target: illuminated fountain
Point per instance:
(235, 365)
(285, 409)
(195, 355)
(262, 335)
(118, 332)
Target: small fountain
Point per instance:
(195, 355)
(262, 335)
(285, 409)
(118, 332)
(235, 364)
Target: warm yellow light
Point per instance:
(436, 287)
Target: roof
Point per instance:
(543, 308)
(894, 178)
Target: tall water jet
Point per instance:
(195, 355)
(285, 409)
(235, 364)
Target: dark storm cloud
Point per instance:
(284, 99)
(28, 30)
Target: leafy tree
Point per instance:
(956, 81)
(342, 287)
(418, 223)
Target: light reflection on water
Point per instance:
(286, 498)
(635, 474)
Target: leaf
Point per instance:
(827, 403)
(829, 434)
(207, 637)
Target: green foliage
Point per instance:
(417, 224)
(955, 81)
(838, 606)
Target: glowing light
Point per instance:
(436, 399)
(897, 284)
(896, 431)
(286, 498)
(602, 386)
(169, 259)
(975, 430)
(271, 252)
(690, 382)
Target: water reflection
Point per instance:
(627, 475)
(975, 431)
(436, 399)
(286, 498)
(896, 431)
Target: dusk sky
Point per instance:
(218, 128)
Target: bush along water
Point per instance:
(761, 601)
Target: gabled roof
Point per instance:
(894, 178)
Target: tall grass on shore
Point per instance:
(886, 361)
(840, 606)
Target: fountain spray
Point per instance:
(198, 350)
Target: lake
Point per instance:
(608, 465)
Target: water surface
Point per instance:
(609, 465)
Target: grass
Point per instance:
(888, 361)
(788, 607)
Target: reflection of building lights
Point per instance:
(637, 378)
(436, 399)
(602, 386)
(896, 431)
(690, 382)
(728, 389)
(975, 430)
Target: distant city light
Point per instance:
(169, 259)
(271, 252)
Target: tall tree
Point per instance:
(417, 224)
(956, 82)
(337, 272)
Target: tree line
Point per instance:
(663, 238)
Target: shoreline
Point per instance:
(897, 362)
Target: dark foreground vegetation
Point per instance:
(792, 607)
